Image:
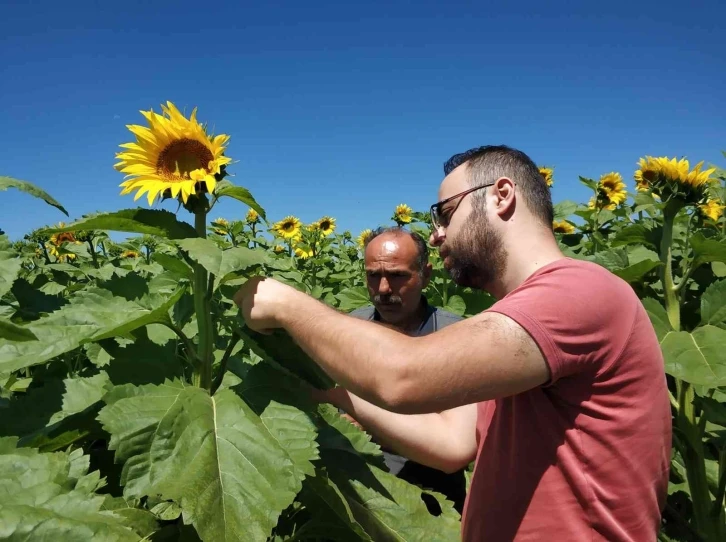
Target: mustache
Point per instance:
(391, 299)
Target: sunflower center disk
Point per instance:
(181, 157)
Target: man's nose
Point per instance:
(383, 287)
(437, 237)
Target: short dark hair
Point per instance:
(490, 162)
(422, 250)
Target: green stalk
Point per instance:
(686, 420)
(202, 376)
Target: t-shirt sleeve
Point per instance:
(579, 317)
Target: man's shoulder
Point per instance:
(443, 318)
(364, 313)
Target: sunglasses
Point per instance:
(440, 218)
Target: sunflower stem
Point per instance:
(203, 373)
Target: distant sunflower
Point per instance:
(326, 225)
(641, 185)
(562, 226)
(288, 228)
(223, 226)
(278, 249)
(547, 173)
(57, 240)
(130, 254)
(598, 203)
(252, 217)
(403, 214)
(712, 209)
(611, 185)
(364, 235)
(303, 253)
(173, 154)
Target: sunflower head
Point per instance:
(547, 173)
(403, 214)
(363, 237)
(326, 225)
(288, 228)
(712, 209)
(220, 226)
(562, 226)
(58, 239)
(612, 188)
(252, 217)
(303, 252)
(670, 177)
(278, 249)
(130, 254)
(172, 157)
(58, 255)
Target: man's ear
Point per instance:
(503, 193)
(426, 276)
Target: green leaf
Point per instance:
(719, 269)
(142, 361)
(589, 183)
(456, 304)
(227, 189)
(278, 347)
(50, 496)
(29, 188)
(658, 317)
(212, 455)
(637, 234)
(13, 332)
(564, 209)
(698, 358)
(635, 272)
(707, 250)
(10, 265)
(149, 221)
(81, 393)
(91, 315)
(175, 265)
(713, 304)
(353, 298)
(223, 264)
(386, 507)
(715, 412)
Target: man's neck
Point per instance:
(414, 322)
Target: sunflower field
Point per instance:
(136, 405)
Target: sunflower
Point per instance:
(252, 217)
(672, 176)
(223, 224)
(57, 240)
(547, 173)
(403, 214)
(53, 251)
(304, 252)
(326, 225)
(611, 185)
(278, 249)
(562, 226)
(598, 203)
(288, 228)
(173, 154)
(363, 237)
(130, 254)
(641, 185)
(712, 209)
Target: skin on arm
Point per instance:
(445, 441)
(483, 357)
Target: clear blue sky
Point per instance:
(351, 108)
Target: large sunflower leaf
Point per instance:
(81, 393)
(91, 315)
(658, 317)
(30, 188)
(707, 250)
(212, 455)
(353, 298)
(227, 189)
(713, 304)
(10, 265)
(50, 496)
(223, 264)
(148, 221)
(13, 332)
(386, 507)
(698, 358)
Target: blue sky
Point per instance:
(351, 108)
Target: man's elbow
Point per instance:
(402, 395)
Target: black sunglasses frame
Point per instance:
(436, 207)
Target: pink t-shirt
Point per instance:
(586, 456)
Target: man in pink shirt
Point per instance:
(557, 391)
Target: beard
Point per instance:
(477, 257)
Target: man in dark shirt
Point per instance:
(397, 271)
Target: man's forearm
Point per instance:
(365, 358)
(444, 441)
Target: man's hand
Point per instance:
(262, 302)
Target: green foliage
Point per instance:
(30, 188)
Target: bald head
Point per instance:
(395, 275)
